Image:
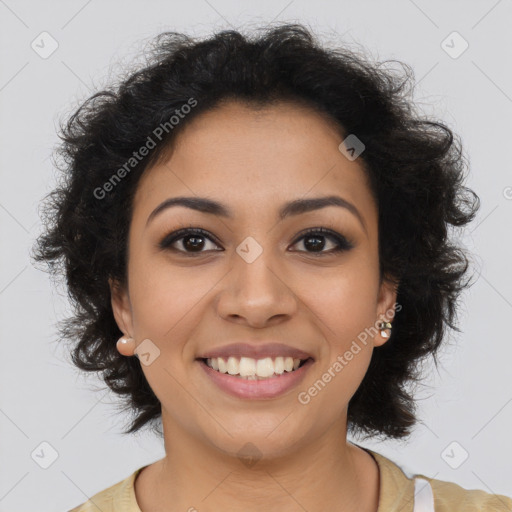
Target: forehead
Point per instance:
(254, 158)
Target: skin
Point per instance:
(187, 302)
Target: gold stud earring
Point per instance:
(125, 346)
(382, 327)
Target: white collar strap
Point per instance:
(423, 496)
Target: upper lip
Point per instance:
(259, 351)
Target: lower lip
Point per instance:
(256, 389)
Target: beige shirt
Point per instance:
(396, 494)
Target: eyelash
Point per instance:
(342, 244)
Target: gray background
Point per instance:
(43, 399)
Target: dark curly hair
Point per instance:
(415, 169)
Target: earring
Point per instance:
(382, 327)
(125, 346)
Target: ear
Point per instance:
(121, 307)
(386, 305)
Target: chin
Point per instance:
(251, 445)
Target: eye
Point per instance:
(191, 239)
(314, 239)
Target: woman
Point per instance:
(254, 232)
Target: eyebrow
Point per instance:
(292, 208)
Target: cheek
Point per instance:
(166, 298)
(344, 299)
(343, 302)
(346, 316)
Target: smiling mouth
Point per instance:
(247, 368)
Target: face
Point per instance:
(254, 276)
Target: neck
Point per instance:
(328, 473)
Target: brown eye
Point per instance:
(191, 241)
(314, 241)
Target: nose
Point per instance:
(256, 293)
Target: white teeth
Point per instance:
(233, 365)
(252, 369)
(247, 366)
(279, 365)
(223, 367)
(265, 367)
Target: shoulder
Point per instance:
(449, 496)
(119, 497)
(397, 488)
